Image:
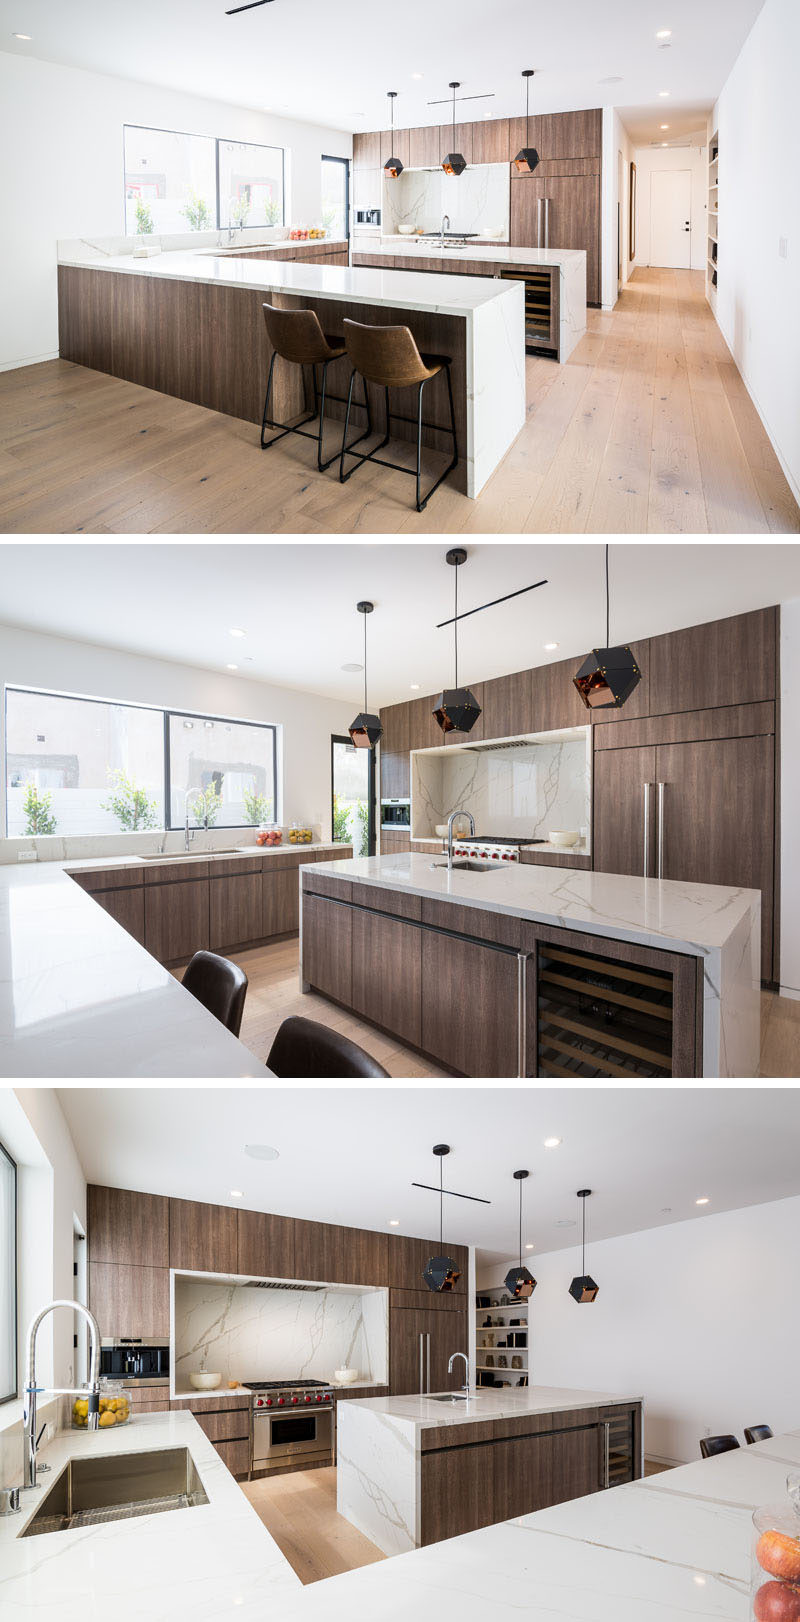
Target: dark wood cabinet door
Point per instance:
(265, 1245)
(203, 1238)
(619, 810)
(364, 1256)
(424, 147)
(491, 142)
(407, 1258)
(569, 217)
(718, 825)
(127, 906)
(507, 707)
(456, 1493)
(555, 701)
(234, 910)
(391, 843)
(367, 149)
(318, 1251)
(533, 1472)
(280, 897)
(423, 731)
(176, 919)
(327, 946)
(395, 777)
(129, 1302)
(123, 1226)
(387, 974)
(420, 1344)
(469, 1006)
(448, 1334)
(730, 661)
(570, 135)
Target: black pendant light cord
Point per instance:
(527, 112)
(608, 605)
(520, 1223)
(455, 626)
(365, 665)
(441, 1203)
(583, 1242)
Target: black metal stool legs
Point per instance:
(418, 423)
(321, 397)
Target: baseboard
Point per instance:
(789, 991)
(32, 360)
(792, 482)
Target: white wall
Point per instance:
(790, 798)
(758, 307)
(648, 161)
(32, 660)
(699, 1318)
(61, 174)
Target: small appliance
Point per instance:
(395, 814)
(132, 1360)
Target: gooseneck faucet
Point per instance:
(451, 819)
(32, 1390)
(445, 222)
(465, 1387)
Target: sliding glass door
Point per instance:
(353, 796)
(336, 198)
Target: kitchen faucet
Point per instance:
(466, 1369)
(451, 819)
(31, 1441)
(187, 838)
(445, 222)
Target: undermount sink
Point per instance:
(184, 855)
(465, 866)
(118, 1487)
(456, 1396)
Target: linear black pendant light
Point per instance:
(366, 729)
(458, 709)
(607, 676)
(392, 167)
(251, 6)
(440, 1272)
(518, 1281)
(527, 159)
(583, 1288)
(454, 163)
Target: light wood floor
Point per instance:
(273, 994)
(647, 429)
(299, 1510)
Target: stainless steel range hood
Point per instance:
(273, 1284)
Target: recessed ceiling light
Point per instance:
(552, 1143)
(664, 33)
(703, 1201)
(550, 647)
(352, 670)
(665, 143)
(416, 75)
(394, 1222)
(664, 126)
(237, 631)
(415, 686)
(237, 1194)
(663, 93)
(261, 1151)
(231, 667)
(529, 1247)
(566, 1222)
(20, 36)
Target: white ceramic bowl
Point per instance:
(345, 1376)
(406, 230)
(564, 836)
(441, 829)
(205, 1382)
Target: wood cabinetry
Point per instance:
(469, 1005)
(559, 211)
(391, 843)
(507, 707)
(395, 743)
(202, 1238)
(124, 1226)
(235, 905)
(387, 974)
(621, 829)
(280, 900)
(730, 661)
(423, 731)
(129, 1302)
(367, 149)
(327, 946)
(421, 1343)
(406, 1260)
(424, 147)
(226, 1423)
(265, 1245)
(176, 912)
(395, 144)
(127, 906)
(491, 142)
(555, 701)
(338, 1255)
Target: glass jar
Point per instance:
(775, 1566)
(115, 1407)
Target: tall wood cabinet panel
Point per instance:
(124, 1226)
(339, 1255)
(474, 1031)
(203, 1238)
(387, 974)
(730, 661)
(265, 1245)
(395, 775)
(280, 901)
(491, 142)
(619, 809)
(176, 920)
(554, 697)
(421, 1343)
(127, 907)
(424, 147)
(395, 146)
(129, 1301)
(423, 731)
(571, 214)
(327, 946)
(367, 149)
(507, 707)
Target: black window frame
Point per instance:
(337, 737)
(331, 157)
(195, 135)
(12, 1395)
(226, 720)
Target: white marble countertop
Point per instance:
(443, 295)
(88, 864)
(419, 247)
(424, 1413)
(666, 913)
(79, 997)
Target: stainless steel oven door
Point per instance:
(279, 1438)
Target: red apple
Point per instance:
(779, 1554)
(777, 1602)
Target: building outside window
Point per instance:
(336, 198)
(226, 769)
(81, 766)
(251, 185)
(170, 181)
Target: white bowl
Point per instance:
(564, 836)
(441, 829)
(406, 230)
(345, 1376)
(205, 1382)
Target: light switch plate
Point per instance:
(27, 856)
(783, 247)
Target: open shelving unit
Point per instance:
(713, 219)
(515, 1336)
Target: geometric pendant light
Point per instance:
(518, 1281)
(607, 676)
(583, 1288)
(527, 159)
(392, 167)
(440, 1272)
(366, 729)
(454, 163)
(457, 709)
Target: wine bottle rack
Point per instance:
(620, 1450)
(598, 1016)
(541, 332)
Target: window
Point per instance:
(8, 1276)
(353, 796)
(336, 197)
(170, 181)
(81, 765)
(226, 769)
(251, 186)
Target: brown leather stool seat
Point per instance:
(304, 1050)
(389, 358)
(710, 1446)
(221, 986)
(296, 336)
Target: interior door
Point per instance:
(671, 218)
(620, 776)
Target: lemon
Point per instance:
(107, 1419)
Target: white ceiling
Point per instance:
(350, 1155)
(297, 603)
(332, 63)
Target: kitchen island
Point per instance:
(190, 324)
(532, 971)
(415, 1470)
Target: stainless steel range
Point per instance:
(291, 1424)
(493, 848)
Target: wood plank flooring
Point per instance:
(299, 1510)
(647, 430)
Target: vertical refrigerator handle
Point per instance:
(547, 222)
(421, 1374)
(660, 857)
(646, 819)
(428, 1381)
(538, 222)
(607, 1453)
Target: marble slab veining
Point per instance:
(526, 790)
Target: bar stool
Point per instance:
(296, 335)
(710, 1446)
(757, 1433)
(220, 985)
(304, 1049)
(389, 357)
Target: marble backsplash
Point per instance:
(54, 1413)
(79, 847)
(246, 1333)
(527, 789)
(479, 200)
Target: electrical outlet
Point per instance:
(783, 247)
(27, 856)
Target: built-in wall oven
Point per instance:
(135, 1359)
(291, 1425)
(396, 815)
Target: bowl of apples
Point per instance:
(775, 1590)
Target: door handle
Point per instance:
(522, 1013)
(428, 1339)
(421, 1385)
(607, 1454)
(661, 788)
(646, 817)
(538, 222)
(547, 222)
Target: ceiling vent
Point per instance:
(511, 743)
(271, 1284)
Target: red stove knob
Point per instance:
(281, 1401)
(308, 1399)
(263, 1404)
(295, 1400)
(319, 1396)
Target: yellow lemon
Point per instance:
(107, 1419)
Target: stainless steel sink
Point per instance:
(118, 1487)
(456, 1396)
(465, 866)
(187, 855)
